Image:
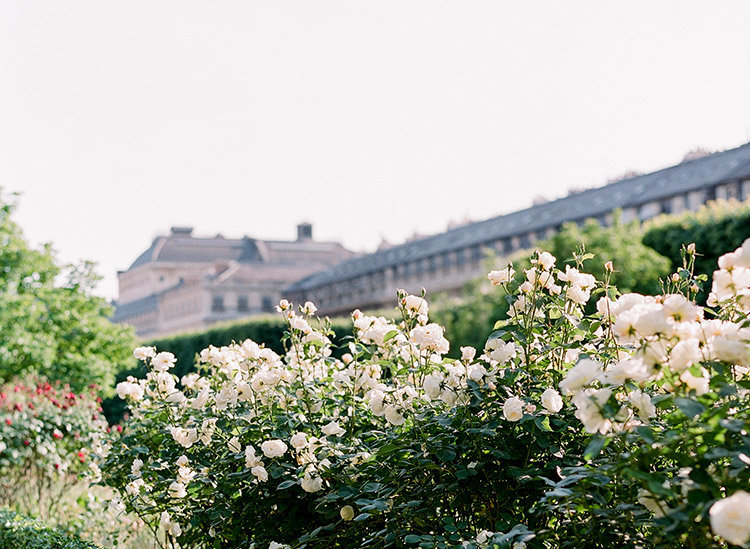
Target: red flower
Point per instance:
(57, 435)
(8, 421)
(26, 442)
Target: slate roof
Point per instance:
(690, 175)
(126, 311)
(182, 249)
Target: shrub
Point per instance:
(393, 444)
(638, 268)
(47, 434)
(717, 228)
(185, 347)
(24, 533)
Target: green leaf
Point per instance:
(594, 447)
(689, 406)
(412, 538)
(390, 335)
(286, 484)
(543, 423)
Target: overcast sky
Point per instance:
(370, 119)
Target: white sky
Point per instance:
(369, 119)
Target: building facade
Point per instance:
(184, 282)
(445, 262)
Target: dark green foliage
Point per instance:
(20, 532)
(716, 229)
(60, 332)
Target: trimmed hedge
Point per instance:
(21, 532)
(717, 228)
(265, 330)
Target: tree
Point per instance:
(56, 330)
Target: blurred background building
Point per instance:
(446, 261)
(182, 282)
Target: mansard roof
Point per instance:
(690, 175)
(180, 247)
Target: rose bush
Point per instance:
(47, 435)
(625, 425)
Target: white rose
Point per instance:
(184, 437)
(234, 445)
(476, 372)
(298, 441)
(177, 490)
(273, 448)
(513, 409)
(185, 474)
(163, 361)
(730, 518)
(135, 469)
(580, 375)
(333, 429)
(251, 460)
(547, 260)
(299, 323)
(415, 304)
(577, 294)
(144, 353)
(501, 276)
(552, 401)
(643, 405)
(376, 402)
(260, 473)
(700, 384)
(311, 483)
(393, 417)
(431, 384)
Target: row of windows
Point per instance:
(347, 291)
(242, 305)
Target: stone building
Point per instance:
(445, 262)
(184, 282)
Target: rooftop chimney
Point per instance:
(304, 232)
(182, 231)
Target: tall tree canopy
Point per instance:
(50, 323)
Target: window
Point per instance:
(266, 304)
(217, 304)
(242, 304)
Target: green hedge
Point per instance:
(19, 532)
(716, 229)
(185, 347)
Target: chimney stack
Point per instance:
(304, 232)
(182, 231)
